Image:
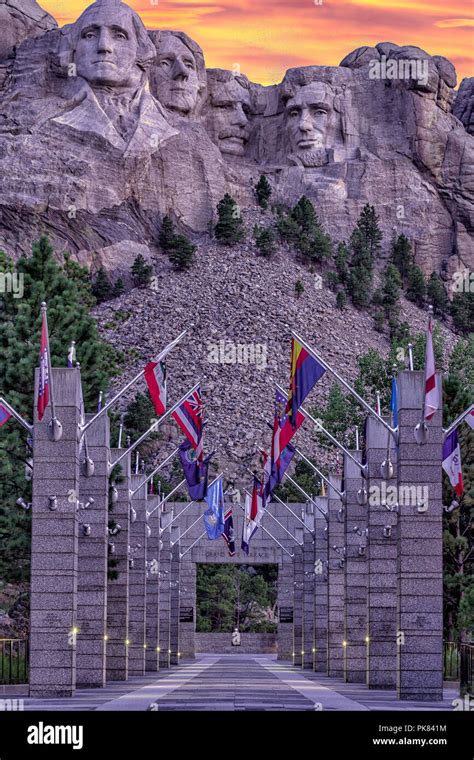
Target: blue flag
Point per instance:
(394, 403)
(214, 516)
(195, 472)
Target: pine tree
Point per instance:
(391, 288)
(341, 300)
(167, 233)
(118, 288)
(101, 286)
(416, 287)
(181, 254)
(462, 311)
(263, 191)
(342, 263)
(229, 230)
(265, 241)
(332, 281)
(81, 277)
(367, 233)
(20, 327)
(402, 256)
(305, 215)
(299, 288)
(437, 296)
(141, 272)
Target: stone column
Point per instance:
(54, 543)
(336, 562)
(153, 586)
(285, 608)
(164, 600)
(174, 596)
(355, 619)
(137, 579)
(117, 588)
(92, 581)
(321, 588)
(382, 562)
(187, 626)
(420, 548)
(298, 599)
(308, 593)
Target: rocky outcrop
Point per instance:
(96, 147)
(463, 107)
(19, 20)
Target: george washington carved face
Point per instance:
(109, 45)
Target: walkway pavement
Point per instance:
(232, 682)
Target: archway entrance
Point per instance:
(236, 597)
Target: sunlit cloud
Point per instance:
(268, 37)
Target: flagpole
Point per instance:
(16, 415)
(267, 512)
(286, 507)
(307, 496)
(152, 474)
(188, 528)
(453, 425)
(192, 545)
(112, 401)
(187, 505)
(421, 430)
(151, 429)
(272, 536)
(55, 429)
(318, 472)
(333, 372)
(363, 468)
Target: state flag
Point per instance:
(155, 376)
(305, 373)
(452, 461)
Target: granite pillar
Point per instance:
(153, 586)
(137, 578)
(285, 608)
(93, 550)
(117, 587)
(420, 548)
(336, 562)
(355, 617)
(175, 596)
(308, 592)
(382, 560)
(298, 585)
(165, 589)
(321, 587)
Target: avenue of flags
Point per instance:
(305, 372)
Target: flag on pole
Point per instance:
(283, 429)
(195, 472)
(43, 386)
(278, 470)
(452, 461)
(228, 534)
(394, 403)
(305, 373)
(189, 416)
(71, 355)
(4, 415)
(155, 376)
(432, 395)
(214, 515)
(250, 524)
(470, 419)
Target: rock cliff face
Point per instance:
(102, 132)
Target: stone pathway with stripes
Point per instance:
(230, 683)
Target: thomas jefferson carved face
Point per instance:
(106, 51)
(176, 77)
(228, 118)
(307, 119)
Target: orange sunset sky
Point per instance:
(265, 37)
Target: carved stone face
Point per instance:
(176, 77)
(307, 119)
(106, 53)
(228, 119)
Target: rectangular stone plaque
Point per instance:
(286, 614)
(186, 614)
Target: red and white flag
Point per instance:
(452, 461)
(155, 376)
(470, 419)
(43, 387)
(432, 394)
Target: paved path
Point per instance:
(232, 682)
